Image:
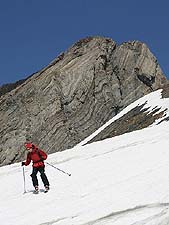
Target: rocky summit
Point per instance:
(73, 96)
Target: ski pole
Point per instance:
(24, 180)
(58, 169)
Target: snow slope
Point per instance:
(119, 181)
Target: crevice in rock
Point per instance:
(116, 72)
(146, 79)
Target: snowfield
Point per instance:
(119, 181)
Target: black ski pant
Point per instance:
(42, 174)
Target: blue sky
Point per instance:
(34, 32)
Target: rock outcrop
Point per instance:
(79, 91)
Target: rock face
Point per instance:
(136, 119)
(79, 91)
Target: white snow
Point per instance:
(119, 181)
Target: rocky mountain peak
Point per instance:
(80, 90)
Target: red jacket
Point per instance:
(37, 156)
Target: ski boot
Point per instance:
(46, 188)
(36, 191)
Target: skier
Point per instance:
(37, 156)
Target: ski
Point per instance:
(36, 192)
(45, 190)
(40, 191)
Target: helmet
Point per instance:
(29, 145)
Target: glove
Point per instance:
(23, 163)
